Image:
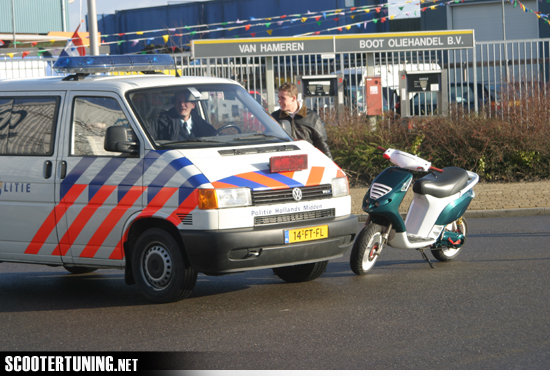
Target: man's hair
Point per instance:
(290, 89)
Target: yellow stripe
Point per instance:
(256, 40)
(393, 35)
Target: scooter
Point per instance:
(434, 219)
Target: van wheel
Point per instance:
(301, 273)
(159, 268)
(79, 269)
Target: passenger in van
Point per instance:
(305, 123)
(181, 122)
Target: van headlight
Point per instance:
(340, 187)
(224, 198)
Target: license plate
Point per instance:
(306, 234)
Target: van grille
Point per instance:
(293, 217)
(278, 196)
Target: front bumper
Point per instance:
(228, 251)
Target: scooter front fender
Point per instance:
(386, 194)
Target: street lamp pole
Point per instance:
(92, 22)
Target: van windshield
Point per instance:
(190, 116)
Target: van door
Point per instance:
(101, 189)
(28, 133)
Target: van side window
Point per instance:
(91, 118)
(27, 125)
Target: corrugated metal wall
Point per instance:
(211, 12)
(33, 16)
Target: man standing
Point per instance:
(305, 123)
(180, 122)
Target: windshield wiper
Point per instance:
(190, 140)
(255, 135)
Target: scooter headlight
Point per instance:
(224, 198)
(340, 187)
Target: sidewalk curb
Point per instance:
(488, 213)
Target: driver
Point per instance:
(181, 122)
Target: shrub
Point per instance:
(506, 144)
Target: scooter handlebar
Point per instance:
(380, 148)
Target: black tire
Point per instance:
(301, 273)
(447, 254)
(79, 269)
(364, 253)
(159, 268)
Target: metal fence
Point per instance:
(492, 75)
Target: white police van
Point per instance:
(86, 182)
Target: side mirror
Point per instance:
(116, 139)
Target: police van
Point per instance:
(88, 181)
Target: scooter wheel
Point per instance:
(366, 249)
(447, 254)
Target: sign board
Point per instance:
(423, 81)
(331, 44)
(387, 42)
(262, 46)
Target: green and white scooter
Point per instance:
(434, 219)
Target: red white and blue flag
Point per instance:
(74, 46)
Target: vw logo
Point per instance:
(297, 194)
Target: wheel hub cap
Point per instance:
(158, 266)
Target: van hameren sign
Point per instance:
(379, 42)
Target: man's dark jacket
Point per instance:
(306, 125)
(167, 126)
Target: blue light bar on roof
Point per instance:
(113, 63)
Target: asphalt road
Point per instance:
(488, 309)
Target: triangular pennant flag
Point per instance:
(253, 34)
(353, 8)
(173, 48)
(317, 18)
(339, 29)
(280, 22)
(348, 27)
(269, 31)
(367, 10)
(121, 34)
(317, 33)
(401, 8)
(336, 19)
(377, 10)
(34, 44)
(283, 16)
(268, 24)
(352, 17)
(25, 53)
(252, 19)
(52, 41)
(375, 20)
(165, 37)
(10, 54)
(119, 42)
(134, 42)
(247, 27)
(319, 23)
(1, 42)
(325, 15)
(304, 19)
(139, 32)
(392, 17)
(383, 19)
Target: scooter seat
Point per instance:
(440, 185)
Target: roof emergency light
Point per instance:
(113, 63)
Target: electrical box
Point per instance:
(328, 88)
(373, 88)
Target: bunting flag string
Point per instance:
(283, 21)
